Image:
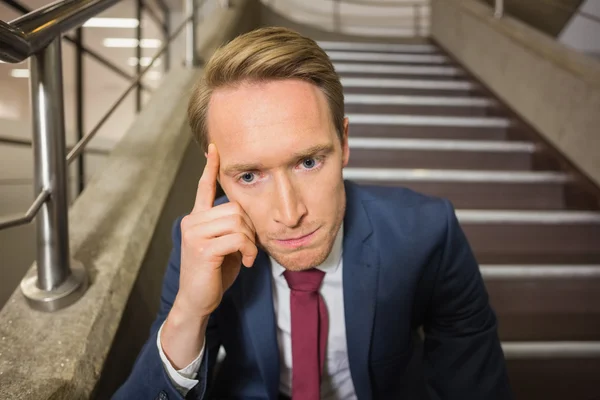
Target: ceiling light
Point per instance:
(130, 43)
(19, 73)
(111, 23)
(133, 61)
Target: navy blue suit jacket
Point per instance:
(406, 265)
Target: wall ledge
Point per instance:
(554, 89)
(582, 65)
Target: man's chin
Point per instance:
(301, 259)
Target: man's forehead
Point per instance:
(269, 102)
(271, 117)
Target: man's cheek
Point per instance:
(257, 212)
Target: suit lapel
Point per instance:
(360, 273)
(257, 308)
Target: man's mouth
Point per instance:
(298, 241)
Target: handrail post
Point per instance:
(139, 8)
(166, 33)
(337, 18)
(417, 19)
(55, 285)
(499, 9)
(79, 106)
(191, 56)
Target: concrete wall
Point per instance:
(144, 298)
(555, 89)
(583, 33)
(120, 228)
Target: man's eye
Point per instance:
(248, 177)
(309, 163)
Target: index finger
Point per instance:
(207, 186)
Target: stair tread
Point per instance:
(447, 175)
(371, 56)
(429, 120)
(539, 271)
(399, 83)
(450, 101)
(440, 145)
(525, 217)
(338, 45)
(370, 68)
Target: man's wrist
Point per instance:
(181, 316)
(184, 379)
(182, 336)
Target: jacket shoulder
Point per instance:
(399, 198)
(397, 212)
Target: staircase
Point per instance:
(417, 119)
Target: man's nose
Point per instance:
(289, 208)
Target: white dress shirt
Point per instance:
(336, 383)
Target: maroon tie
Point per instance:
(309, 332)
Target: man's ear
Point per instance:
(345, 146)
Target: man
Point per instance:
(336, 278)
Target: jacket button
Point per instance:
(162, 396)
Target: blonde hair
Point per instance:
(266, 54)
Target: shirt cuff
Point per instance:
(183, 379)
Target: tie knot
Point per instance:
(304, 281)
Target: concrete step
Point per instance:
(360, 103)
(378, 47)
(388, 58)
(422, 87)
(553, 370)
(532, 237)
(440, 154)
(545, 302)
(473, 189)
(429, 127)
(371, 70)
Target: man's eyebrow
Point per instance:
(305, 153)
(311, 151)
(241, 167)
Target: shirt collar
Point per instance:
(331, 263)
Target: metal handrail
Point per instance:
(8, 140)
(29, 214)
(92, 53)
(32, 32)
(142, 5)
(37, 35)
(80, 146)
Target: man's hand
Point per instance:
(215, 241)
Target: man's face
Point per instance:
(281, 160)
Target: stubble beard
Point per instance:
(304, 259)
